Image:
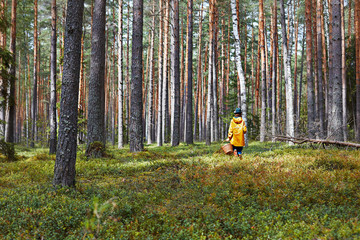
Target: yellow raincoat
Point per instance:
(237, 130)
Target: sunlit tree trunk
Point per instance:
(53, 123)
(343, 72)
(136, 124)
(165, 85)
(10, 127)
(288, 83)
(263, 70)
(150, 123)
(64, 170)
(175, 74)
(239, 68)
(336, 126)
(3, 83)
(120, 78)
(160, 139)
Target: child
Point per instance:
(237, 130)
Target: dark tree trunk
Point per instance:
(96, 102)
(10, 127)
(309, 72)
(357, 54)
(64, 171)
(53, 127)
(336, 125)
(35, 76)
(136, 121)
(189, 90)
(175, 74)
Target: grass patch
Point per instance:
(185, 192)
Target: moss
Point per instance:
(8, 150)
(95, 150)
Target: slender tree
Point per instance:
(165, 85)
(239, 68)
(120, 78)
(160, 82)
(274, 62)
(290, 131)
(189, 90)
(343, 72)
(53, 123)
(136, 123)
(175, 74)
(263, 70)
(96, 102)
(310, 81)
(10, 127)
(357, 53)
(64, 171)
(336, 126)
(35, 78)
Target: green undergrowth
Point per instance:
(185, 192)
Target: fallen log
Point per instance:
(318, 141)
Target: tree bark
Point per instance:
(343, 71)
(274, 80)
(263, 71)
(175, 74)
(35, 77)
(136, 121)
(336, 126)
(64, 171)
(357, 54)
(288, 84)
(120, 78)
(10, 127)
(310, 81)
(165, 85)
(53, 123)
(189, 90)
(96, 101)
(150, 122)
(239, 68)
(160, 139)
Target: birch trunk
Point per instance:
(288, 85)
(239, 68)
(263, 71)
(175, 74)
(160, 83)
(120, 78)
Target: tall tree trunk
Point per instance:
(150, 122)
(120, 78)
(165, 85)
(263, 70)
(214, 71)
(288, 85)
(35, 77)
(10, 127)
(160, 139)
(301, 76)
(336, 126)
(357, 54)
(321, 110)
(275, 64)
(310, 81)
(189, 90)
(64, 171)
(343, 72)
(3, 82)
(96, 102)
(210, 92)
(53, 123)
(136, 121)
(175, 74)
(239, 68)
(127, 76)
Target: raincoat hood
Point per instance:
(237, 120)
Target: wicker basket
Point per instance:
(227, 148)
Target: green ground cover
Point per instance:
(185, 192)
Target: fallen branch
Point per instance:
(319, 141)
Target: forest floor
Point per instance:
(185, 192)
